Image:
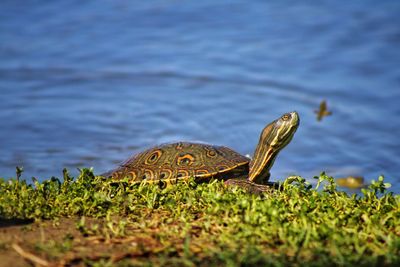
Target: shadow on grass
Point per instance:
(14, 222)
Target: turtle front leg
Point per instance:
(252, 187)
(262, 179)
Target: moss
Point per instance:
(206, 224)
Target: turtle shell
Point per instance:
(172, 162)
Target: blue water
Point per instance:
(90, 83)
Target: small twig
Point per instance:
(19, 171)
(29, 256)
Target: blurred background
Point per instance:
(89, 83)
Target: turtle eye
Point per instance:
(286, 117)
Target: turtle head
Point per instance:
(274, 137)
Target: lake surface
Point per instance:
(87, 84)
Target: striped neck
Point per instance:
(274, 137)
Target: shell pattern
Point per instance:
(172, 162)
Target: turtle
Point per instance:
(169, 163)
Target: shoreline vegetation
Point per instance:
(90, 221)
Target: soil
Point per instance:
(60, 243)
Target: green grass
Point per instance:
(208, 224)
